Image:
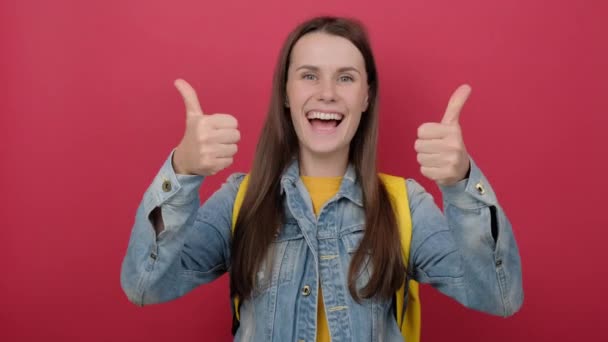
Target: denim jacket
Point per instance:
(470, 254)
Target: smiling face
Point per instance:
(327, 91)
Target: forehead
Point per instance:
(326, 51)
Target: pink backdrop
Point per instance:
(89, 113)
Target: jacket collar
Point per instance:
(349, 188)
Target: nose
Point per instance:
(327, 91)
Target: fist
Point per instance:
(210, 141)
(440, 148)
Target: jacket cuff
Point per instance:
(470, 193)
(171, 188)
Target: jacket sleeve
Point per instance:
(194, 247)
(470, 254)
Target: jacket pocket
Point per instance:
(281, 258)
(351, 239)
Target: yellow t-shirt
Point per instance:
(321, 189)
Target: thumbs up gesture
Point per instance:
(441, 152)
(209, 142)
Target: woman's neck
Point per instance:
(323, 165)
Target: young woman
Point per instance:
(316, 250)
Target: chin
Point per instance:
(327, 149)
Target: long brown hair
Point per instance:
(261, 211)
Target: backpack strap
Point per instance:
(238, 201)
(408, 318)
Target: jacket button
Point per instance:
(480, 188)
(166, 185)
(306, 291)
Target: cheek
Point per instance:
(357, 100)
(297, 93)
(356, 121)
(298, 122)
(294, 119)
(350, 131)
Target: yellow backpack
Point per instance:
(409, 324)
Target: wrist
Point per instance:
(176, 164)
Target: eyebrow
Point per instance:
(342, 69)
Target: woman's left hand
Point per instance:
(441, 152)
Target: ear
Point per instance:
(366, 100)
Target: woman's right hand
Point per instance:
(210, 141)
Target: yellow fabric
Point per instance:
(321, 189)
(396, 187)
(238, 201)
(410, 324)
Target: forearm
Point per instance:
(163, 219)
(485, 239)
(469, 251)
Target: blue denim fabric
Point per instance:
(456, 254)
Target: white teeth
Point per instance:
(324, 116)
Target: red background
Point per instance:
(89, 113)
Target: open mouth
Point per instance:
(324, 121)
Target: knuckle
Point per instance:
(452, 159)
(421, 130)
(424, 171)
(204, 120)
(452, 169)
(202, 139)
(201, 129)
(452, 145)
(214, 122)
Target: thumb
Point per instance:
(193, 107)
(457, 101)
